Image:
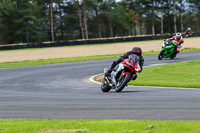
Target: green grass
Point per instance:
(74, 59)
(183, 74)
(53, 61)
(98, 126)
(190, 49)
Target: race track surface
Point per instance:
(63, 91)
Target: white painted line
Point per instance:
(92, 78)
(168, 87)
(156, 64)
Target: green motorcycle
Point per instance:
(167, 51)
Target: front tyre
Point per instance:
(161, 55)
(123, 83)
(105, 86)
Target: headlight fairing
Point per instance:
(129, 64)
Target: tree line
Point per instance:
(26, 21)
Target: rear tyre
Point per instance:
(161, 55)
(123, 83)
(105, 86)
(172, 57)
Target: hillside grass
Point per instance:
(98, 126)
(182, 74)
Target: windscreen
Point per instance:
(134, 58)
(168, 43)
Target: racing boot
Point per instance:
(111, 67)
(175, 52)
(108, 72)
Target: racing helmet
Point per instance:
(137, 51)
(178, 36)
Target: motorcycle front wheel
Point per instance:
(105, 86)
(123, 83)
(161, 55)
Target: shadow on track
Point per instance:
(113, 92)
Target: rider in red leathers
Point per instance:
(178, 38)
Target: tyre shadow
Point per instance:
(125, 92)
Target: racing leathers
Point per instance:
(179, 46)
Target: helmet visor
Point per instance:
(178, 37)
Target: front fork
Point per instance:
(121, 76)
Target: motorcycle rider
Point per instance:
(188, 31)
(178, 38)
(137, 51)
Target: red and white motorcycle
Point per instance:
(121, 74)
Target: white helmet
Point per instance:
(178, 36)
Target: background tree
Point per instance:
(174, 13)
(6, 10)
(51, 16)
(80, 19)
(30, 21)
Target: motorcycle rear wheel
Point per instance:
(105, 86)
(123, 83)
(172, 57)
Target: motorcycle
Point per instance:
(188, 34)
(121, 74)
(167, 51)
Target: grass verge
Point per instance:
(54, 61)
(64, 60)
(182, 74)
(98, 126)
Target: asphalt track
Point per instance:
(63, 91)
